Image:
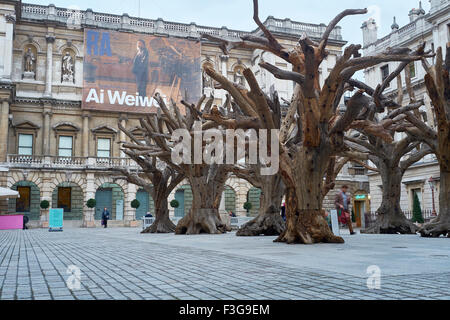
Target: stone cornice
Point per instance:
(43, 101)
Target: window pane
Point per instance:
(412, 69)
(26, 140)
(103, 154)
(103, 144)
(65, 146)
(25, 151)
(65, 142)
(65, 153)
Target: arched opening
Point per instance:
(146, 204)
(254, 197)
(111, 197)
(29, 201)
(230, 199)
(69, 196)
(184, 197)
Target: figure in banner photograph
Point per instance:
(140, 68)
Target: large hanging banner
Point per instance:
(123, 71)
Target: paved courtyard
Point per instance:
(123, 264)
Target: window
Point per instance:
(103, 148)
(65, 146)
(65, 199)
(23, 203)
(25, 145)
(384, 72)
(412, 70)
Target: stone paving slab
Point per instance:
(121, 264)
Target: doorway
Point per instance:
(103, 197)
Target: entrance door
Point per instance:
(360, 208)
(142, 197)
(103, 197)
(179, 196)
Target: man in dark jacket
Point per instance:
(342, 203)
(140, 68)
(105, 218)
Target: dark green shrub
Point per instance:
(45, 204)
(174, 204)
(91, 203)
(135, 204)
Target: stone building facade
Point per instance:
(433, 28)
(51, 149)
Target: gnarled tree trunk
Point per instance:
(441, 225)
(306, 222)
(269, 221)
(438, 85)
(162, 223)
(391, 219)
(204, 215)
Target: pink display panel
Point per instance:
(11, 222)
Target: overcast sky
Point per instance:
(237, 14)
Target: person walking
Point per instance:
(283, 211)
(342, 203)
(105, 218)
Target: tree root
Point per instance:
(310, 227)
(435, 229)
(268, 224)
(202, 221)
(163, 225)
(391, 225)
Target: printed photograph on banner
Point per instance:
(123, 71)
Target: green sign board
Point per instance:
(56, 217)
(360, 197)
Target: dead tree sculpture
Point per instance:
(391, 158)
(320, 134)
(206, 180)
(268, 222)
(156, 177)
(437, 82)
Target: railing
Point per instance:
(68, 161)
(371, 217)
(25, 160)
(33, 11)
(237, 222)
(147, 222)
(71, 162)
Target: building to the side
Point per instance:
(433, 28)
(53, 149)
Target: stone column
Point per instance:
(46, 130)
(241, 198)
(6, 46)
(4, 126)
(89, 193)
(224, 60)
(129, 218)
(49, 71)
(122, 136)
(86, 143)
(46, 194)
